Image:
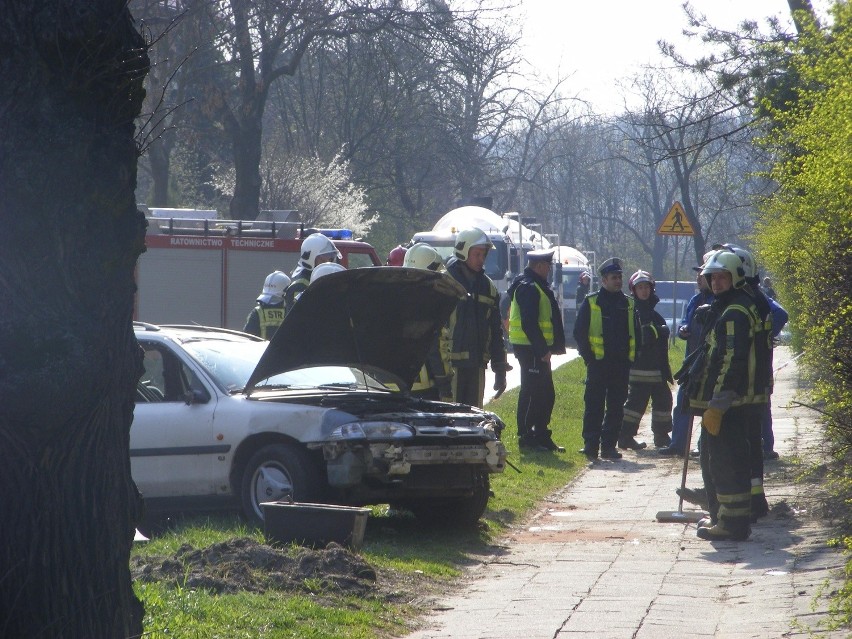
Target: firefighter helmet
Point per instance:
(273, 288)
(314, 246)
(725, 260)
(749, 265)
(322, 270)
(396, 256)
(423, 256)
(467, 239)
(638, 277)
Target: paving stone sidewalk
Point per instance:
(594, 561)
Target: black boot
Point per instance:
(546, 440)
(630, 442)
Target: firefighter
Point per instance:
(536, 333)
(650, 374)
(728, 385)
(474, 332)
(606, 332)
(435, 379)
(397, 256)
(689, 330)
(267, 315)
(326, 268)
(316, 249)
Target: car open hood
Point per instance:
(382, 317)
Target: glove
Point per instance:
(712, 420)
(499, 382)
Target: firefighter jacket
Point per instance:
(265, 319)
(435, 372)
(474, 332)
(534, 315)
(607, 328)
(734, 365)
(652, 358)
(299, 281)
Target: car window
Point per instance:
(166, 378)
(359, 260)
(229, 363)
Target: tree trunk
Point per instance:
(159, 156)
(71, 77)
(245, 204)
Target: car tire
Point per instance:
(276, 472)
(461, 512)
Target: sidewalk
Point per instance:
(593, 561)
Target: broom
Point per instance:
(680, 516)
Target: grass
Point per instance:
(423, 561)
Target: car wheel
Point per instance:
(275, 473)
(461, 512)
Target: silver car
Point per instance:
(321, 413)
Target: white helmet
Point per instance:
(424, 257)
(467, 239)
(324, 269)
(749, 265)
(639, 277)
(273, 288)
(725, 260)
(315, 245)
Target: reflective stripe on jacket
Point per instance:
(545, 322)
(596, 338)
(738, 365)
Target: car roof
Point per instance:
(184, 331)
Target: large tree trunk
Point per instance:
(159, 156)
(71, 76)
(247, 141)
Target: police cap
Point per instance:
(541, 255)
(612, 265)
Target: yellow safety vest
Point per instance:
(270, 320)
(423, 381)
(596, 340)
(545, 320)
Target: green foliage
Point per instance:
(805, 233)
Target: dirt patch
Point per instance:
(243, 564)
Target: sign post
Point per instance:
(675, 223)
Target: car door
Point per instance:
(173, 452)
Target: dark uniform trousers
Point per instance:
(537, 395)
(606, 390)
(726, 468)
(469, 385)
(638, 396)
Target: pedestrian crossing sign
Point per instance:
(675, 222)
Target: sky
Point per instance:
(599, 42)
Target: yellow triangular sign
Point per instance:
(675, 222)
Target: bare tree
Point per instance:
(71, 77)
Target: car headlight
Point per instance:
(372, 430)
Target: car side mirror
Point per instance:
(195, 397)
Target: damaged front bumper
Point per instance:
(351, 464)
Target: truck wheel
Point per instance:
(275, 473)
(463, 512)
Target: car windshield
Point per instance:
(231, 363)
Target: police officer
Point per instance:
(474, 333)
(316, 249)
(435, 379)
(728, 387)
(267, 315)
(606, 332)
(536, 333)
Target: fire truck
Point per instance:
(199, 269)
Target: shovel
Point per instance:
(679, 515)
